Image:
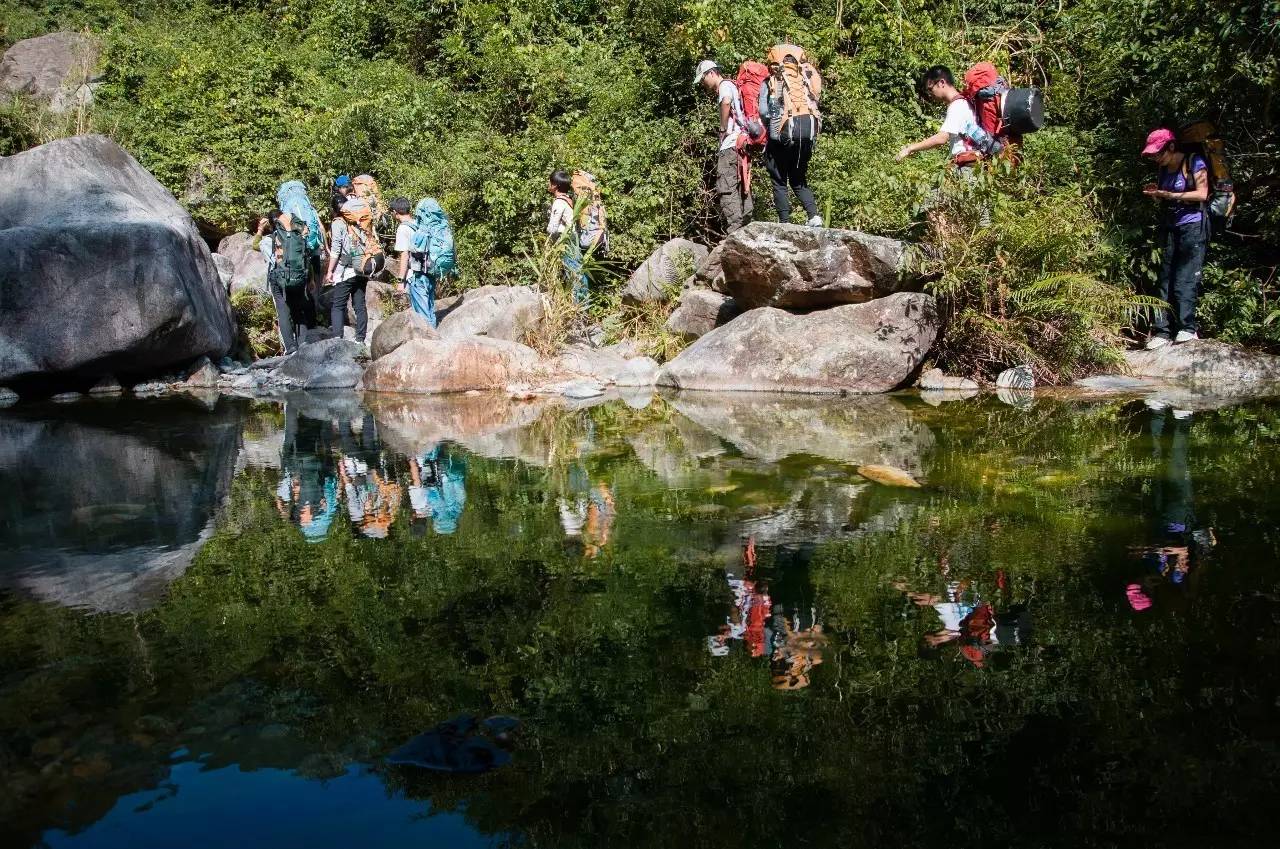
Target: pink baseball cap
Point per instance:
(1157, 140)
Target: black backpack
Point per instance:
(290, 248)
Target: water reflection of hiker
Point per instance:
(437, 489)
(733, 167)
(1177, 542)
(562, 232)
(308, 490)
(749, 615)
(587, 512)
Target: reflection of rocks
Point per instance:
(102, 507)
(491, 425)
(863, 429)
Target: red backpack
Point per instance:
(751, 77)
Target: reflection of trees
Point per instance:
(1109, 728)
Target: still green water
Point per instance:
(217, 621)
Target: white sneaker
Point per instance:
(1185, 336)
(1182, 415)
(1157, 342)
(815, 221)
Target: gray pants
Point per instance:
(735, 204)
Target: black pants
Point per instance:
(788, 165)
(291, 310)
(1181, 262)
(353, 288)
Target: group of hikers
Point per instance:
(302, 256)
(772, 109)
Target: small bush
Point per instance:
(255, 315)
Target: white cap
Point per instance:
(705, 67)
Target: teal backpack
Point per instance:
(290, 249)
(292, 198)
(432, 239)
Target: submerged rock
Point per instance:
(889, 476)
(670, 263)
(450, 365)
(857, 348)
(794, 267)
(1207, 362)
(7, 397)
(498, 312)
(398, 329)
(153, 300)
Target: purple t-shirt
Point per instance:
(1179, 213)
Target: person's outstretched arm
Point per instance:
(938, 139)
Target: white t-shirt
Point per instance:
(959, 122)
(728, 93)
(404, 242)
(561, 216)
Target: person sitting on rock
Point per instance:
(732, 165)
(1182, 186)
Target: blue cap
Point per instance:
(343, 180)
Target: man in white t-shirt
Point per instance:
(419, 285)
(960, 126)
(731, 164)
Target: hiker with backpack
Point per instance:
(285, 247)
(960, 132)
(292, 198)
(593, 223)
(1182, 187)
(733, 165)
(425, 242)
(562, 230)
(788, 107)
(353, 258)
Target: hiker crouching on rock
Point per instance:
(1182, 187)
(732, 165)
(563, 230)
(960, 129)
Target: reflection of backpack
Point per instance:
(751, 78)
(795, 88)
(1004, 112)
(432, 243)
(593, 223)
(292, 198)
(364, 250)
(1201, 138)
(290, 249)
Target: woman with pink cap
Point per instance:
(1182, 186)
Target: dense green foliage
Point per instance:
(1108, 729)
(475, 102)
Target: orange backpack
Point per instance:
(795, 87)
(366, 255)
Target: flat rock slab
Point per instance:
(1207, 362)
(854, 349)
(794, 267)
(935, 381)
(327, 364)
(499, 312)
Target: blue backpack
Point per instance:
(432, 239)
(292, 198)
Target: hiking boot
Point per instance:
(815, 221)
(1157, 342)
(1185, 336)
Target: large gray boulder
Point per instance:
(450, 365)
(857, 348)
(700, 311)
(498, 312)
(672, 262)
(101, 271)
(793, 267)
(55, 70)
(1207, 363)
(249, 268)
(327, 364)
(398, 329)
